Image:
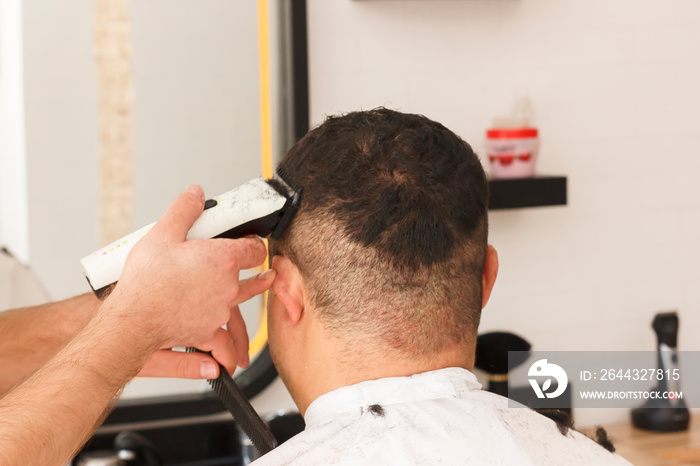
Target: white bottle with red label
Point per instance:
(512, 152)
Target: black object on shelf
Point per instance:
(492, 351)
(527, 192)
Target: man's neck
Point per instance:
(334, 364)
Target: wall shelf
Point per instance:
(527, 192)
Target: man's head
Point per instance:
(390, 240)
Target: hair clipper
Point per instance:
(664, 415)
(261, 207)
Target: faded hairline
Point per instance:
(360, 296)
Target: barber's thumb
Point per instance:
(209, 369)
(196, 190)
(182, 214)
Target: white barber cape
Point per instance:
(439, 417)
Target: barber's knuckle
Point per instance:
(228, 299)
(222, 317)
(224, 258)
(232, 262)
(223, 339)
(250, 245)
(259, 248)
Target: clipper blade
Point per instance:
(292, 192)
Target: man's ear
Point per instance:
(289, 288)
(490, 273)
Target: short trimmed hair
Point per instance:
(391, 234)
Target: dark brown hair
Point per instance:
(391, 233)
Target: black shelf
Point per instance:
(527, 192)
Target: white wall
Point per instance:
(197, 99)
(615, 90)
(61, 141)
(14, 225)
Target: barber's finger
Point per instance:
(253, 286)
(181, 214)
(245, 253)
(167, 363)
(222, 349)
(239, 334)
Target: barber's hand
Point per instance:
(168, 363)
(175, 292)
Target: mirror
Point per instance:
(124, 108)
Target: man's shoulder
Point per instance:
(537, 436)
(479, 428)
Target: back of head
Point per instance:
(391, 233)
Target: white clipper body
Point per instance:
(260, 207)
